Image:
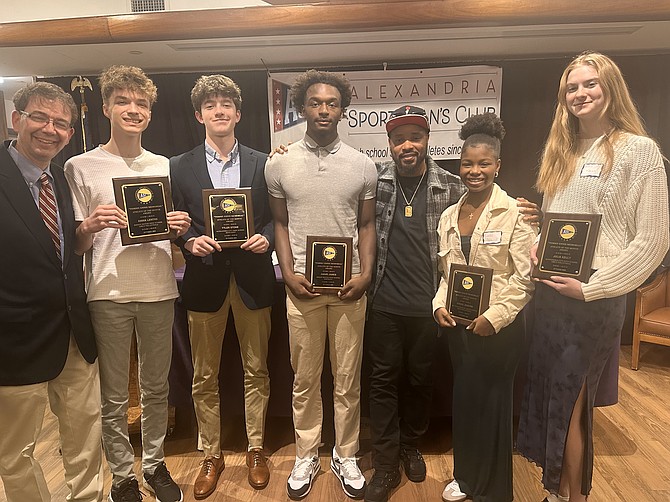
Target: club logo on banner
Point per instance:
(449, 96)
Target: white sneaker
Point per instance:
(557, 498)
(300, 481)
(452, 492)
(351, 478)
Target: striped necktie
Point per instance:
(47, 203)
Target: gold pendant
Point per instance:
(408, 211)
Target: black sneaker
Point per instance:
(413, 463)
(127, 491)
(162, 486)
(381, 484)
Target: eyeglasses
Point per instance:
(43, 119)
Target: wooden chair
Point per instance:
(652, 315)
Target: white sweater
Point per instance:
(633, 200)
(137, 273)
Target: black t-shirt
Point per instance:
(466, 245)
(407, 286)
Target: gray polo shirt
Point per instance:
(323, 187)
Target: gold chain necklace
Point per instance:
(408, 203)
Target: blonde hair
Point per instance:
(560, 151)
(129, 78)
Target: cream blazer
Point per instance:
(501, 241)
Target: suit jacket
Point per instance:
(206, 280)
(41, 300)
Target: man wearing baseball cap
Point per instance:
(400, 338)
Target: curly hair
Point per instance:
(130, 78)
(311, 77)
(45, 91)
(208, 86)
(483, 129)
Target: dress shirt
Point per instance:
(224, 174)
(31, 174)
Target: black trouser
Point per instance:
(484, 369)
(400, 351)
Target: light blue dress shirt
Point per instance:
(223, 174)
(31, 174)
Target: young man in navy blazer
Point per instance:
(217, 280)
(48, 346)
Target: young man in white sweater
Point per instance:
(130, 289)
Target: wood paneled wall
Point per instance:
(324, 18)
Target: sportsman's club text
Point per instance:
(436, 117)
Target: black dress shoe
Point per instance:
(413, 463)
(381, 484)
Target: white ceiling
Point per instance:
(342, 49)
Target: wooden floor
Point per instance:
(632, 445)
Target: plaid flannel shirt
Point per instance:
(444, 189)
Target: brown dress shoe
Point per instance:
(205, 483)
(259, 474)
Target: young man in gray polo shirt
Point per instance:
(324, 187)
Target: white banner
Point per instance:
(449, 96)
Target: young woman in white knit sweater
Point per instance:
(597, 159)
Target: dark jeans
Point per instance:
(400, 352)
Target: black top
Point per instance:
(465, 247)
(407, 286)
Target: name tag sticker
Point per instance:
(591, 170)
(492, 237)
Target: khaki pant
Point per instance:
(74, 397)
(310, 323)
(206, 331)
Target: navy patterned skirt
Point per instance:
(572, 341)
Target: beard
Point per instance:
(414, 168)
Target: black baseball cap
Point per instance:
(407, 114)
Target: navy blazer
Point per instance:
(206, 280)
(41, 300)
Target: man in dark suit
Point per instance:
(218, 279)
(48, 347)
